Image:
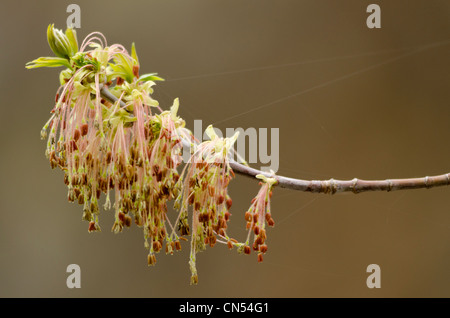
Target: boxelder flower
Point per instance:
(205, 188)
(257, 216)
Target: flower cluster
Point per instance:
(103, 146)
(205, 188)
(257, 216)
(108, 135)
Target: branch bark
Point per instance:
(330, 186)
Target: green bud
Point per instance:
(63, 45)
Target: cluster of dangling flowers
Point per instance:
(103, 146)
(257, 216)
(205, 188)
(120, 144)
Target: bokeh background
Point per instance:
(349, 102)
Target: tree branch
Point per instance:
(330, 186)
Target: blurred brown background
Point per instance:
(352, 102)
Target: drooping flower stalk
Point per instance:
(257, 216)
(205, 182)
(163, 160)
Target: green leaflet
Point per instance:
(133, 53)
(150, 77)
(72, 37)
(123, 67)
(48, 62)
(63, 45)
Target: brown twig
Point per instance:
(330, 186)
(355, 185)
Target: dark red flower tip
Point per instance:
(128, 221)
(151, 259)
(84, 129)
(229, 203)
(91, 227)
(260, 257)
(263, 248)
(76, 135)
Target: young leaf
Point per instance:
(72, 37)
(48, 62)
(150, 77)
(134, 54)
